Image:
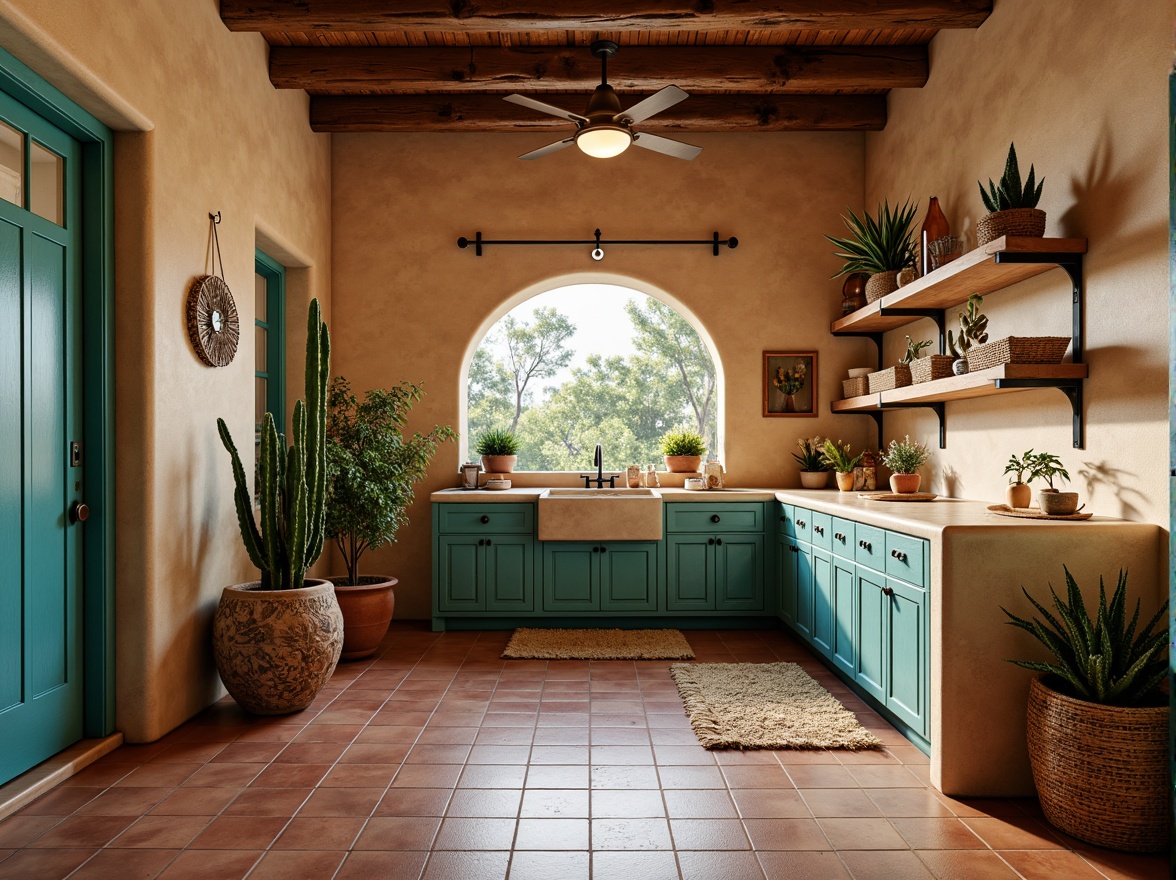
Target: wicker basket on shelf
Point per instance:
(855, 387)
(1027, 222)
(881, 284)
(898, 376)
(927, 369)
(1018, 350)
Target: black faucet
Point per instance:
(598, 460)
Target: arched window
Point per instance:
(592, 363)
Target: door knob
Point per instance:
(719, 541)
(715, 518)
(79, 511)
(485, 519)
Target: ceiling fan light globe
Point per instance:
(604, 142)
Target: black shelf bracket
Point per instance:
(1071, 264)
(876, 338)
(598, 244)
(876, 415)
(936, 315)
(1072, 388)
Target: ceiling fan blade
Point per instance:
(677, 149)
(524, 101)
(655, 103)
(549, 149)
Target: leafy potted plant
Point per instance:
(973, 331)
(814, 472)
(276, 641)
(836, 457)
(498, 448)
(1012, 208)
(371, 470)
(905, 457)
(1018, 494)
(1097, 725)
(879, 246)
(683, 450)
(1046, 466)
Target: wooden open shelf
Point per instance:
(1001, 379)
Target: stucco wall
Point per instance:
(409, 303)
(200, 129)
(1081, 88)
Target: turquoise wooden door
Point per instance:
(872, 606)
(844, 616)
(739, 572)
(510, 573)
(803, 578)
(907, 654)
(690, 573)
(823, 623)
(786, 579)
(41, 687)
(571, 581)
(628, 576)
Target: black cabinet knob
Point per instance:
(899, 555)
(719, 541)
(800, 523)
(481, 542)
(715, 518)
(603, 549)
(79, 511)
(887, 591)
(710, 540)
(487, 542)
(794, 549)
(595, 549)
(485, 519)
(783, 519)
(820, 530)
(865, 545)
(840, 537)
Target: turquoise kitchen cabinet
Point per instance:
(786, 579)
(490, 573)
(739, 572)
(841, 648)
(795, 575)
(717, 572)
(616, 577)
(822, 620)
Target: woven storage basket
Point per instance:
(935, 366)
(855, 387)
(1018, 350)
(881, 284)
(1027, 222)
(1101, 771)
(898, 376)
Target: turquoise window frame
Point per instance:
(274, 274)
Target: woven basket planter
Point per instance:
(855, 387)
(881, 284)
(1018, 350)
(1026, 222)
(898, 376)
(934, 366)
(1101, 771)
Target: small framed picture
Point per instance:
(790, 383)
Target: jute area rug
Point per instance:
(765, 706)
(597, 644)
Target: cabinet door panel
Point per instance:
(822, 633)
(570, 577)
(689, 573)
(460, 575)
(628, 576)
(844, 616)
(786, 580)
(872, 608)
(510, 576)
(739, 573)
(906, 694)
(804, 589)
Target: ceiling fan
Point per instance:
(605, 130)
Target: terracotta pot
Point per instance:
(814, 479)
(905, 484)
(367, 610)
(845, 481)
(499, 464)
(276, 649)
(1018, 495)
(683, 464)
(1054, 503)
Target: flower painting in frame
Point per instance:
(790, 382)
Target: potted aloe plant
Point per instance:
(814, 471)
(837, 458)
(1012, 208)
(499, 450)
(371, 470)
(277, 640)
(904, 457)
(1097, 725)
(880, 246)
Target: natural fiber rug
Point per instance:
(765, 706)
(597, 644)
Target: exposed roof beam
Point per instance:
(701, 113)
(760, 69)
(605, 15)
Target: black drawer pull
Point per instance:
(487, 542)
(485, 519)
(899, 555)
(481, 542)
(595, 549)
(710, 540)
(783, 519)
(800, 523)
(887, 591)
(715, 518)
(794, 549)
(820, 530)
(840, 537)
(603, 549)
(719, 541)
(865, 545)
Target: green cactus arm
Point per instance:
(318, 358)
(296, 486)
(243, 502)
(271, 506)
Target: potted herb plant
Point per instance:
(683, 450)
(879, 246)
(973, 332)
(1012, 208)
(276, 641)
(836, 457)
(905, 457)
(499, 450)
(1018, 494)
(1097, 725)
(1047, 466)
(371, 470)
(814, 472)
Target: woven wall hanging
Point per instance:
(213, 324)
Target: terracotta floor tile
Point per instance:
(682, 754)
(188, 753)
(1126, 866)
(769, 803)
(866, 756)
(239, 832)
(161, 832)
(130, 801)
(398, 833)
(391, 733)
(467, 866)
(317, 732)
(699, 804)
(884, 776)
(886, 866)
(720, 866)
(552, 776)
(157, 775)
(859, 834)
(47, 864)
(485, 803)
(22, 829)
(630, 834)
(672, 737)
(290, 776)
(499, 754)
(1014, 832)
(134, 864)
(224, 775)
(785, 834)
(414, 802)
(360, 776)
(319, 833)
(807, 865)
(630, 865)
(382, 866)
(512, 736)
(623, 777)
(767, 776)
(374, 753)
(475, 834)
(354, 803)
(82, 831)
(843, 802)
(290, 865)
(937, 834)
(549, 866)
(555, 803)
(60, 801)
(620, 736)
(966, 864)
(908, 802)
(567, 755)
(247, 753)
(449, 735)
(427, 776)
(102, 772)
(821, 776)
(552, 834)
(273, 802)
(806, 756)
(206, 864)
(709, 834)
(627, 803)
(1050, 865)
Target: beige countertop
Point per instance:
(483, 496)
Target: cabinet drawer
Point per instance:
(905, 558)
(820, 530)
(784, 514)
(698, 517)
(844, 537)
(796, 522)
(869, 547)
(467, 519)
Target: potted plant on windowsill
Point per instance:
(498, 448)
(880, 246)
(904, 457)
(276, 641)
(1097, 726)
(1012, 209)
(683, 450)
(837, 458)
(814, 472)
(371, 471)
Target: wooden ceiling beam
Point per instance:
(755, 69)
(604, 15)
(701, 113)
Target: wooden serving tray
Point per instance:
(1032, 513)
(896, 496)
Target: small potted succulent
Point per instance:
(814, 471)
(1053, 502)
(499, 450)
(1012, 208)
(837, 458)
(905, 457)
(880, 246)
(973, 331)
(1018, 494)
(683, 450)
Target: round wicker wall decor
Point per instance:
(213, 324)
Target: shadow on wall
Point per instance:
(953, 484)
(1096, 475)
(1103, 195)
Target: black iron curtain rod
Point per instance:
(597, 244)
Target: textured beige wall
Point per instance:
(213, 136)
(409, 303)
(1081, 88)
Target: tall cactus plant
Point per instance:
(292, 483)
